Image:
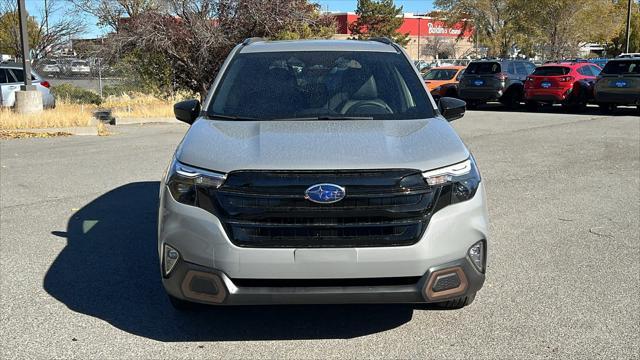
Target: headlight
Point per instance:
(183, 181)
(461, 180)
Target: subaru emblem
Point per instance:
(325, 193)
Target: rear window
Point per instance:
(480, 68)
(551, 71)
(440, 74)
(622, 67)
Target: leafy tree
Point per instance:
(379, 18)
(556, 29)
(617, 44)
(494, 22)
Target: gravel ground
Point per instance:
(79, 274)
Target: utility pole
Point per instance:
(46, 17)
(628, 33)
(28, 99)
(24, 38)
(419, 34)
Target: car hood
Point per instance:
(321, 145)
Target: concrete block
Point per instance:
(28, 102)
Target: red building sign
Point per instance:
(423, 26)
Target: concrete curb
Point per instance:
(151, 120)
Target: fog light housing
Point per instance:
(477, 256)
(169, 259)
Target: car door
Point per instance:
(9, 85)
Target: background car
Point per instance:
(12, 76)
(567, 83)
(80, 67)
(494, 80)
(443, 81)
(50, 67)
(618, 84)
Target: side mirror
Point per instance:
(452, 108)
(187, 111)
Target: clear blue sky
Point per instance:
(34, 7)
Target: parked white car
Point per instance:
(12, 76)
(80, 67)
(51, 67)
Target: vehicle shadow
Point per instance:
(591, 110)
(109, 269)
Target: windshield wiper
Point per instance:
(328, 117)
(232, 117)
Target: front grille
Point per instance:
(268, 209)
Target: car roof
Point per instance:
(569, 64)
(451, 67)
(317, 45)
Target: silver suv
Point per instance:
(321, 171)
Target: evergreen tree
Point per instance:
(379, 18)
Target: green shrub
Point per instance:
(75, 95)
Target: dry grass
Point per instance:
(139, 106)
(75, 115)
(64, 115)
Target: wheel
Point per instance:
(472, 105)
(457, 303)
(607, 108)
(511, 99)
(532, 105)
(180, 304)
(452, 93)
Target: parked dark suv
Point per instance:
(494, 80)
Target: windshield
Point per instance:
(440, 74)
(622, 67)
(551, 71)
(314, 84)
(480, 68)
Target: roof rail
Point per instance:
(251, 40)
(386, 40)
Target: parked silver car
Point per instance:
(321, 171)
(12, 76)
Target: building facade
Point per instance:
(430, 38)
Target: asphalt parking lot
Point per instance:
(79, 273)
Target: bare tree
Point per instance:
(436, 46)
(195, 36)
(44, 35)
(110, 12)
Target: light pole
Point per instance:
(28, 99)
(628, 33)
(24, 39)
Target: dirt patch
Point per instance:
(14, 134)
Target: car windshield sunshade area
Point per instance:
(481, 68)
(622, 67)
(329, 85)
(551, 71)
(440, 74)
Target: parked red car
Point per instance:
(567, 83)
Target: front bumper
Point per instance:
(209, 286)
(204, 247)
